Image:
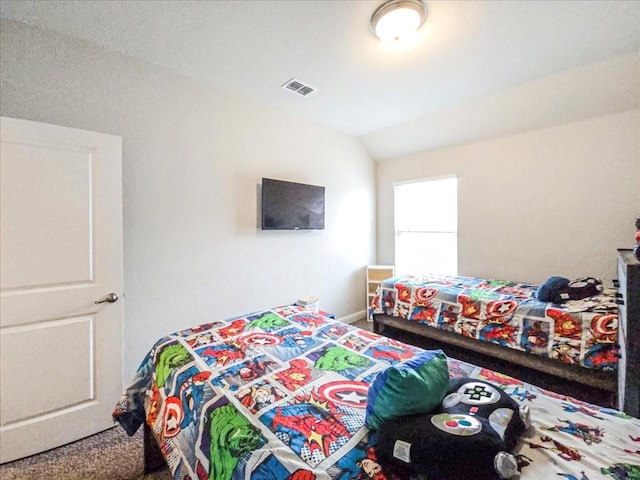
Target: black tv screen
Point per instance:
(291, 206)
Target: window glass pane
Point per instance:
(429, 206)
(420, 253)
(426, 223)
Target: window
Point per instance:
(426, 226)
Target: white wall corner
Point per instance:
(354, 317)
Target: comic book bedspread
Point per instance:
(281, 394)
(583, 332)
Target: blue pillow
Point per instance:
(417, 385)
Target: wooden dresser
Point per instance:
(629, 332)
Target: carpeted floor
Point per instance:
(112, 455)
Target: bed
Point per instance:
(576, 340)
(281, 394)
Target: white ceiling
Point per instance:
(466, 52)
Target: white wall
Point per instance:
(556, 201)
(192, 159)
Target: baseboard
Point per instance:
(354, 317)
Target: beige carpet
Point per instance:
(110, 455)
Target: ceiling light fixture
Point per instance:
(397, 19)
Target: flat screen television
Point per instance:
(291, 206)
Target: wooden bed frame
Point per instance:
(603, 380)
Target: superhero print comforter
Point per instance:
(281, 394)
(582, 332)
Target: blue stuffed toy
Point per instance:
(550, 290)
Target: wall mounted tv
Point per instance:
(291, 206)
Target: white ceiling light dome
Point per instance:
(397, 19)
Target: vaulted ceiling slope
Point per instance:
(476, 69)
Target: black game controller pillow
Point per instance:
(470, 437)
(482, 399)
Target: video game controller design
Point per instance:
(470, 436)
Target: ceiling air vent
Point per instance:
(298, 87)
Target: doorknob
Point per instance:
(109, 298)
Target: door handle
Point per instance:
(109, 298)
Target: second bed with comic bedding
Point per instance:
(282, 394)
(574, 339)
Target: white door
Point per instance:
(61, 251)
